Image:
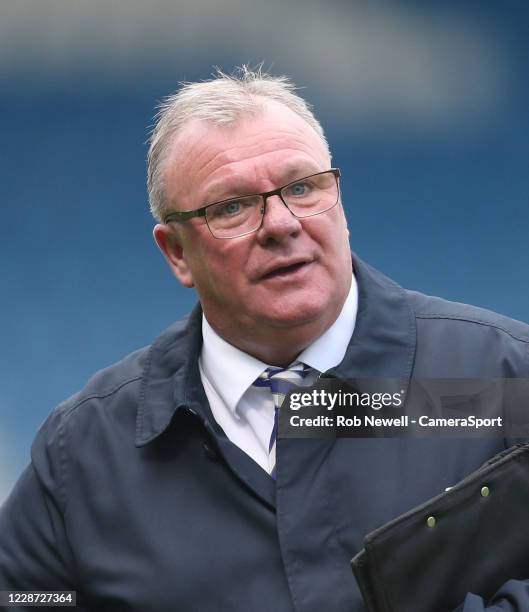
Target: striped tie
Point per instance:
(280, 382)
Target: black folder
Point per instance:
(472, 538)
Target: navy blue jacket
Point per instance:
(136, 499)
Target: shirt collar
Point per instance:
(231, 371)
(329, 349)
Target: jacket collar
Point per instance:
(384, 339)
(382, 345)
(171, 378)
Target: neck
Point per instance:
(280, 355)
(275, 346)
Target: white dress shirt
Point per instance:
(245, 412)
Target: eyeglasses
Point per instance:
(234, 217)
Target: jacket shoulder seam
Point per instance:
(473, 320)
(101, 395)
(63, 433)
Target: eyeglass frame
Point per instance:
(185, 215)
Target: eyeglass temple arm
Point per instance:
(179, 215)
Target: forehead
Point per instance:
(268, 146)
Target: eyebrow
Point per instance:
(227, 192)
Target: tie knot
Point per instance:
(282, 380)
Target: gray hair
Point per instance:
(220, 100)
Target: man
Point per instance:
(162, 485)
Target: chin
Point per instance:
(297, 315)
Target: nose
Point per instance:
(278, 222)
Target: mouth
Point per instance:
(285, 271)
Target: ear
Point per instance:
(170, 244)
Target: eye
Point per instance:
(231, 208)
(299, 189)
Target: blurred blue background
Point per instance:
(424, 104)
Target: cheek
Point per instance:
(220, 269)
(341, 231)
(333, 236)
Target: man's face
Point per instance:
(291, 273)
